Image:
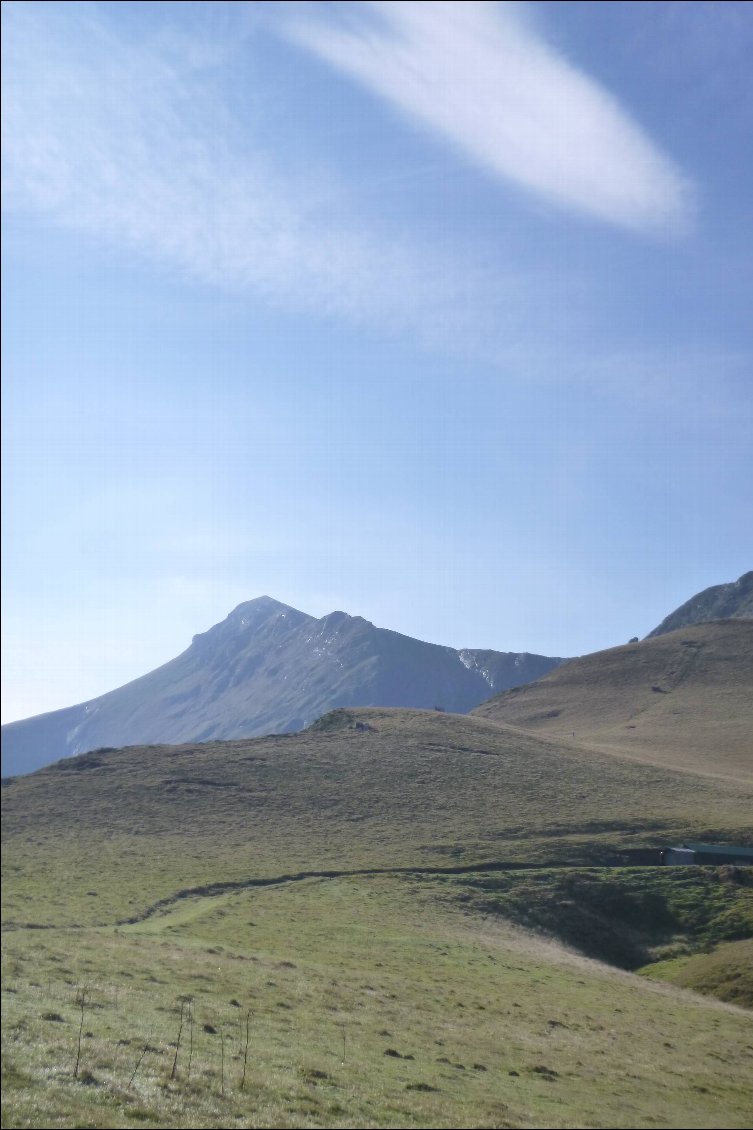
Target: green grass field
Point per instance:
(419, 983)
(724, 971)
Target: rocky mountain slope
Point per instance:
(269, 668)
(733, 601)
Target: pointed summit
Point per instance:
(252, 616)
(267, 668)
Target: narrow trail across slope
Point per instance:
(210, 890)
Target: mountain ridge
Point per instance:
(731, 601)
(269, 668)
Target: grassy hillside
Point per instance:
(333, 914)
(375, 788)
(362, 1002)
(682, 700)
(725, 971)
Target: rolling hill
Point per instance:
(683, 700)
(358, 789)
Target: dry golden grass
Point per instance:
(683, 701)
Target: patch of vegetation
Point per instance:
(726, 972)
(340, 719)
(625, 916)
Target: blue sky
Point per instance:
(435, 313)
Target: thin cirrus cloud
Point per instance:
(478, 75)
(138, 146)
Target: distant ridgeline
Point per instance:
(269, 668)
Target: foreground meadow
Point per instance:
(328, 929)
(368, 1001)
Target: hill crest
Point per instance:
(683, 700)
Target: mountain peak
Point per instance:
(262, 605)
(268, 668)
(261, 614)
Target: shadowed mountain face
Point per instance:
(681, 700)
(268, 669)
(720, 602)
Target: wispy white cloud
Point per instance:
(134, 143)
(477, 74)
